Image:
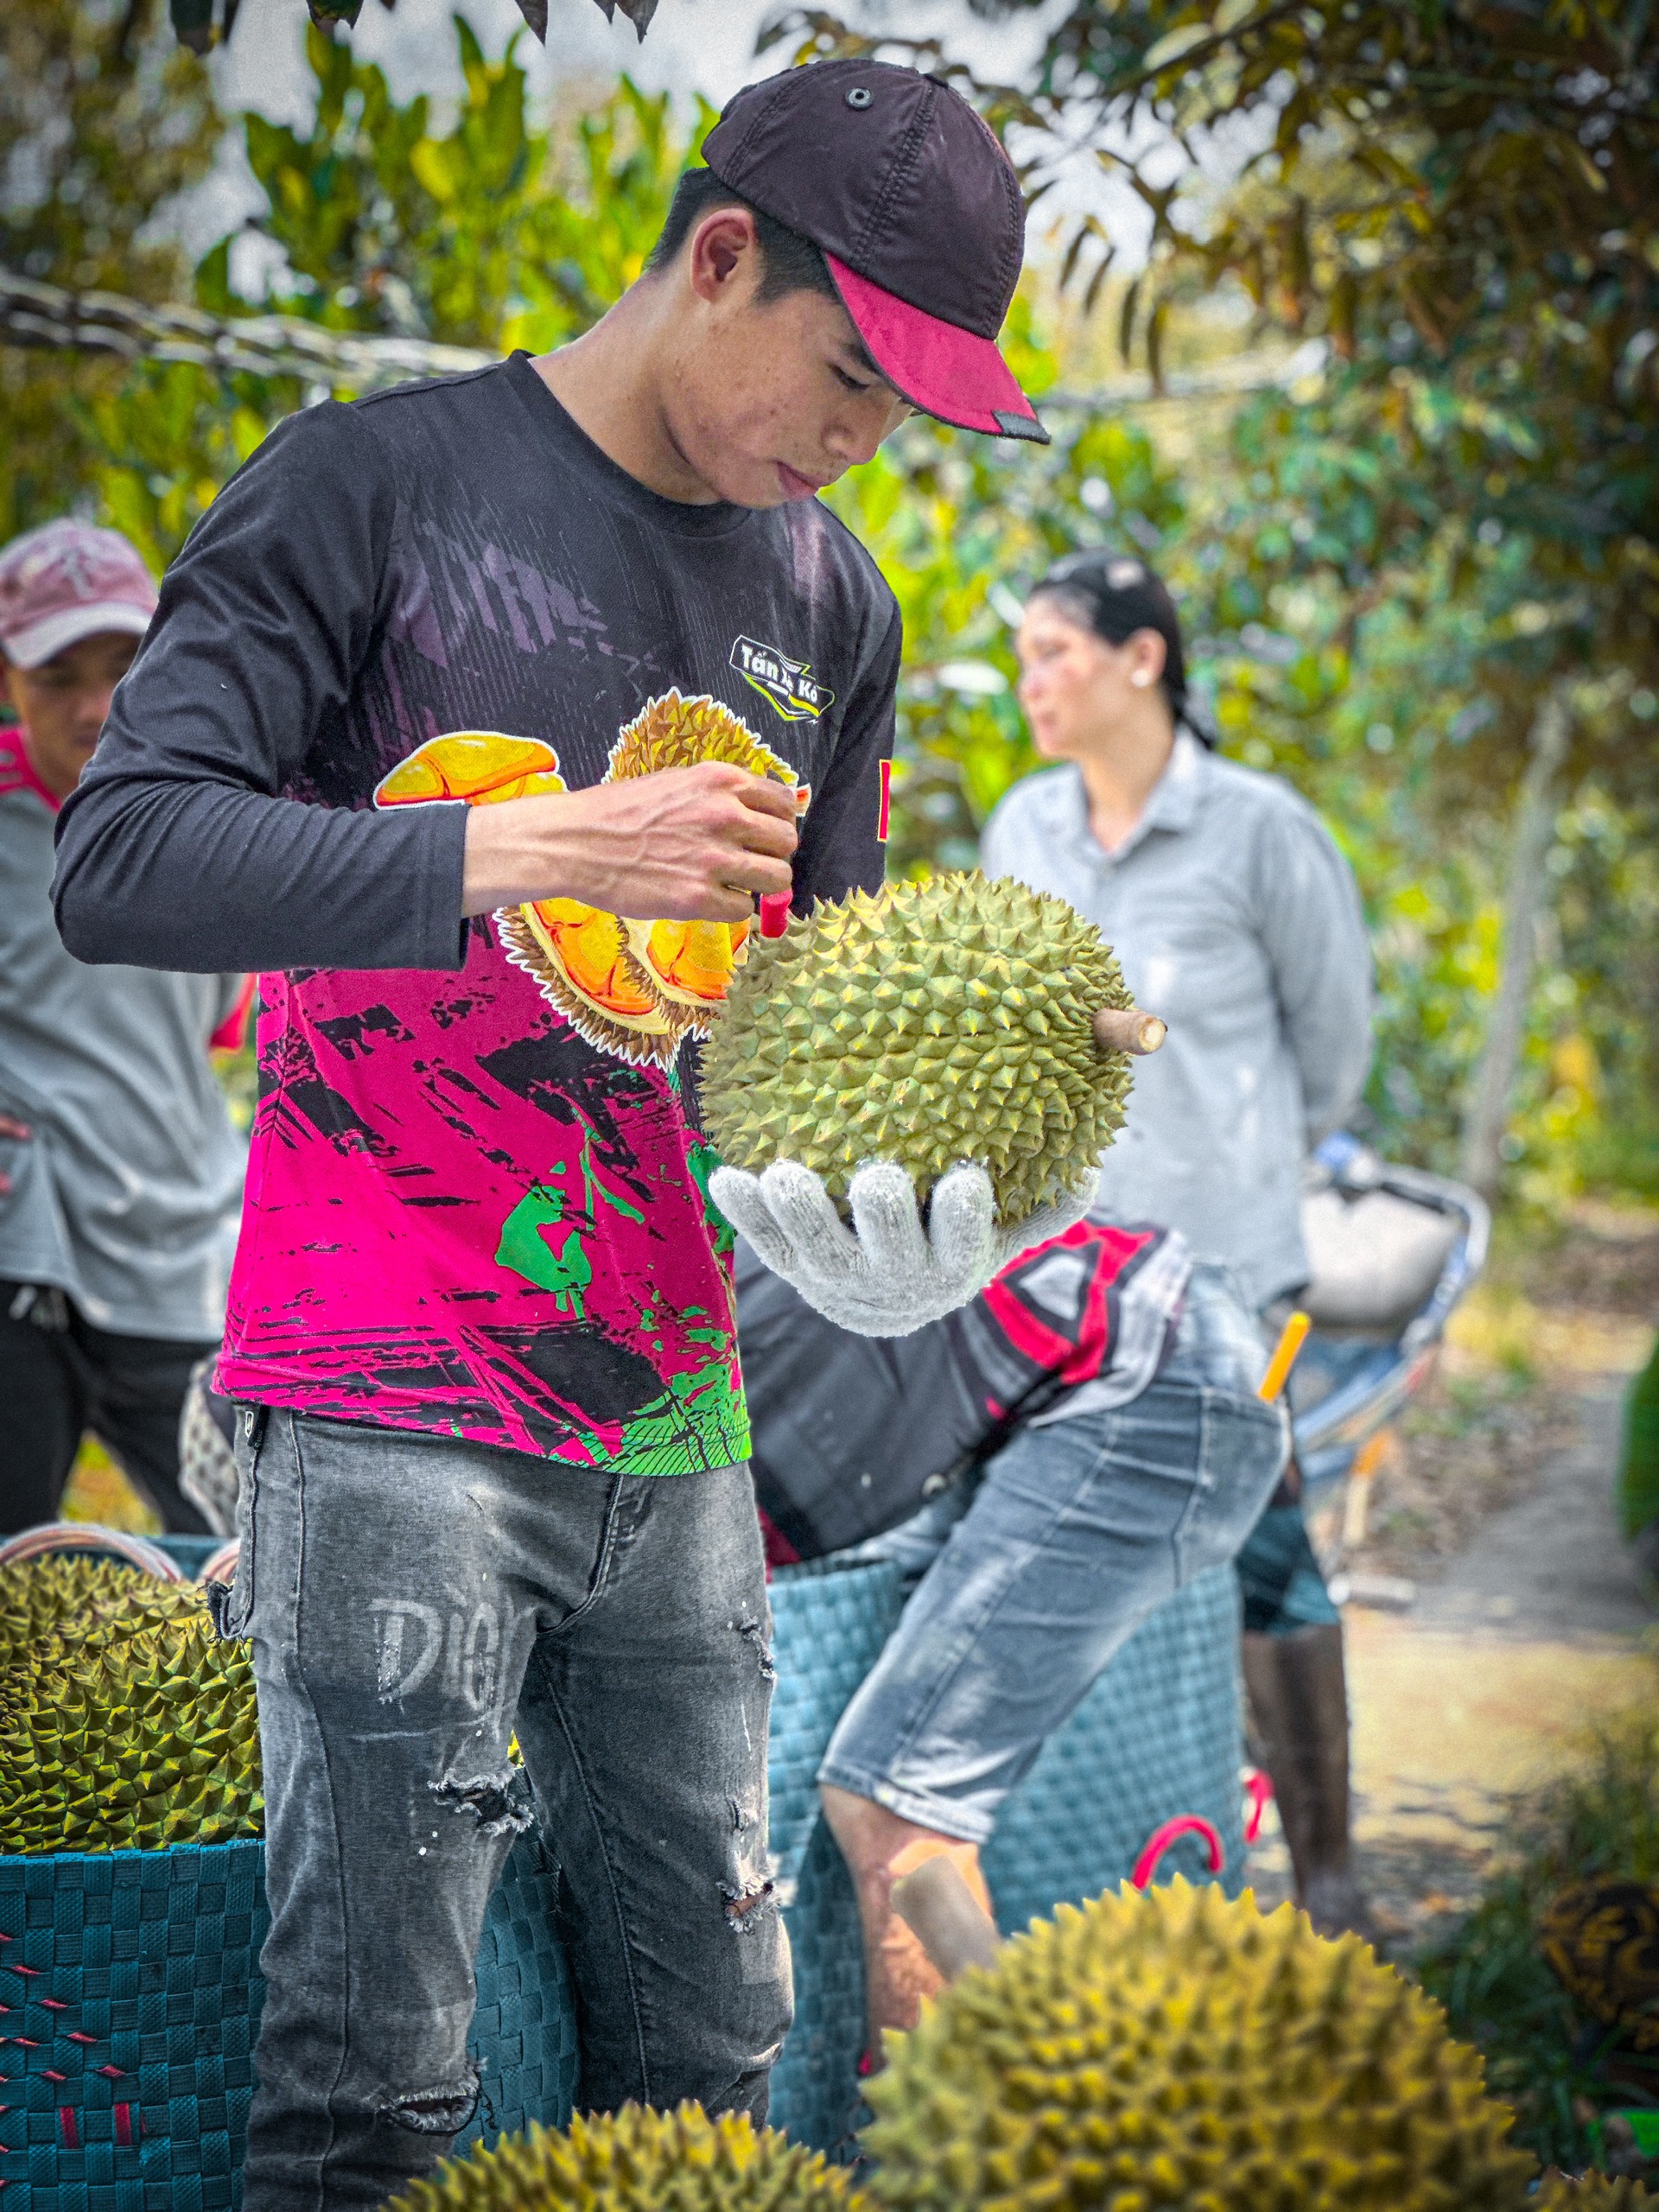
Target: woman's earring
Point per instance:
(1141, 679)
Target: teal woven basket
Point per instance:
(133, 1993)
(829, 1621)
(133, 2006)
(1157, 1735)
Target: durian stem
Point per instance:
(1127, 1029)
(947, 1919)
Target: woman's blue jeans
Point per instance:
(1028, 1581)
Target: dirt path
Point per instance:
(1478, 1690)
(1527, 1618)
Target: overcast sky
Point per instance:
(705, 46)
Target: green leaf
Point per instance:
(1173, 44)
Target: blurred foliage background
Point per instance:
(1386, 566)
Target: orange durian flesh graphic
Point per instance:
(636, 988)
(690, 962)
(480, 765)
(579, 955)
(591, 947)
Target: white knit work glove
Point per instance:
(888, 1274)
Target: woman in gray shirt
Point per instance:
(1232, 911)
(1235, 918)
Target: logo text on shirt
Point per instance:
(789, 685)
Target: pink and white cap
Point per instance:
(65, 581)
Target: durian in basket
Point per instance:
(124, 1724)
(637, 2160)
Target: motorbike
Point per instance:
(1392, 1250)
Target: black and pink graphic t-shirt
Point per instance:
(475, 1198)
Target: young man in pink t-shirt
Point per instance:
(396, 740)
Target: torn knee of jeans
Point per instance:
(754, 1633)
(444, 2111)
(742, 1905)
(498, 1803)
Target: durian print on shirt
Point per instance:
(636, 988)
(581, 1308)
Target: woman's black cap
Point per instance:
(1118, 594)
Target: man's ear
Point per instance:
(722, 246)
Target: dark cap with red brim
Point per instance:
(916, 211)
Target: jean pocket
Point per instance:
(231, 1606)
(1240, 1452)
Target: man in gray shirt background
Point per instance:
(1235, 918)
(120, 1171)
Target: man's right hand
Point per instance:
(687, 844)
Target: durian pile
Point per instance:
(124, 1724)
(637, 2160)
(1178, 2051)
(926, 1023)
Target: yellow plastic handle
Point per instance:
(1292, 1338)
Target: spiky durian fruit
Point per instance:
(1601, 1939)
(124, 1724)
(929, 1024)
(94, 1597)
(628, 2161)
(1592, 2193)
(1181, 2050)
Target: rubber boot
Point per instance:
(1299, 1707)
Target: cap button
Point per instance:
(860, 96)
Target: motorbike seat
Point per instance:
(1374, 1256)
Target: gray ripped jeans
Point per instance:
(412, 1604)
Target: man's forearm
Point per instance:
(524, 849)
(205, 877)
(687, 844)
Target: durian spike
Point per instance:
(1127, 1029)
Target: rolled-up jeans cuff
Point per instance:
(942, 1815)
